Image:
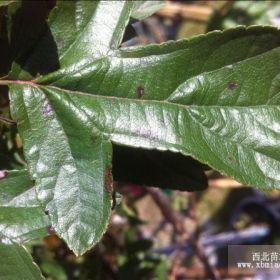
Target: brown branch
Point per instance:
(194, 12)
(169, 214)
(223, 183)
(177, 221)
(156, 29)
(7, 120)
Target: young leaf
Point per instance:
(17, 264)
(214, 97)
(21, 215)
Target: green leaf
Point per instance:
(76, 190)
(143, 9)
(17, 264)
(72, 173)
(15, 184)
(247, 13)
(21, 215)
(80, 27)
(215, 98)
(53, 269)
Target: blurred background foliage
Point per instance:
(164, 234)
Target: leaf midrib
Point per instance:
(162, 102)
(32, 84)
(185, 107)
(120, 54)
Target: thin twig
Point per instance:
(177, 221)
(223, 183)
(7, 120)
(4, 77)
(169, 214)
(156, 29)
(194, 12)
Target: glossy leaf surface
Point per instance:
(215, 98)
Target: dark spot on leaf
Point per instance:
(51, 230)
(140, 91)
(231, 158)
(4, 196)
(109, 180)
(47, 108)
(232, 85)
(46, 212)
(3, 174)
(148, 133)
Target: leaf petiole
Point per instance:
(17, 82)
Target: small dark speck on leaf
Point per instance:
(140, 91)
(231, 158)
(46, 212)
(3, 174)
(47, 108)
(51, 230)
(232, 85)
(3, 196)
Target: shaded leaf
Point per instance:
(17, 264)
(247, 13)
(6, 3)
(13, 184)
(54, 270)
(21, 215)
